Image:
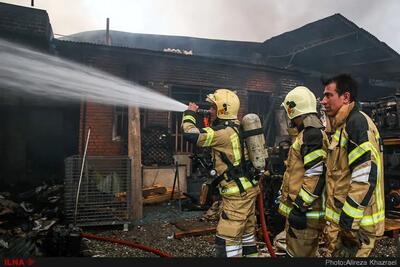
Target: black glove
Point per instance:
(297, 219)
(349, 243)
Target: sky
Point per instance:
(241, 20)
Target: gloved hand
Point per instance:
(297, 219)
(349, 243)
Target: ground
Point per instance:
(157, 230)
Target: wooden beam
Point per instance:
(196, 232)
(134, 152)
(159, 198)
(154, 190)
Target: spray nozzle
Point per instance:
(203, 111)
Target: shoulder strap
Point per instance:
(232, 172)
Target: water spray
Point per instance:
(27, 72)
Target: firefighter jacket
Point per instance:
(304, 179)
(355, 192)
(223, 139)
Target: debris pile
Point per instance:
(28, 223)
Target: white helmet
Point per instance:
(300, 101)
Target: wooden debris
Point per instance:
(147, 192)
(159, 198)
(392, 224)
(154, 190)
(196, 231)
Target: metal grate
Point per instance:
(105, 190)
(156, 146)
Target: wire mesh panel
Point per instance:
(104, 191)
(156, 146)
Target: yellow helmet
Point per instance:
(300, 101)
(227, 103)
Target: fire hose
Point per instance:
(263, 223)
(91, 236)
(128, 243)
(163, 254)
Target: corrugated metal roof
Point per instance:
(331, 45)
(233, 50)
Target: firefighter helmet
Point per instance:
(299, 101)
(227, 103)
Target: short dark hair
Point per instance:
(344, 83)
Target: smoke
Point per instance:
(250, 20)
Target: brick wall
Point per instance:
(156, 117)
(161, 71)
(100, 120)
(287, 83)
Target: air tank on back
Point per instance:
(255, 140)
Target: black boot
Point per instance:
(251, 251)
(220, 247)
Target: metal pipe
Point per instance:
(108, 40)
(80, 177)
(176, 134)
(83, 126)
(179, 187)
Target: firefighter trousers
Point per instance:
(236, 227)
(302, 243)
(332, 240)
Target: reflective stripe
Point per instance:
(315, 170)
(210, 136)
(235, 189)
(307, 198)
(314, 155)
(378, 191)
(236, 149)
(296, 145)
(336, 136)
(189, 117)
(361, 175)
(285, 210)
(367, 220)
(233, 250)
(373, 219)
(249, 239)
(359, 151)
(331, 215)
(351, 211)
(253, 255)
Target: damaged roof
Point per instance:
(327, 46)
(231, 50)
(330, 45)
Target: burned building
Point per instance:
(37, 135)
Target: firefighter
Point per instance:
(355, 197)
(304, 179)
(235, 235)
